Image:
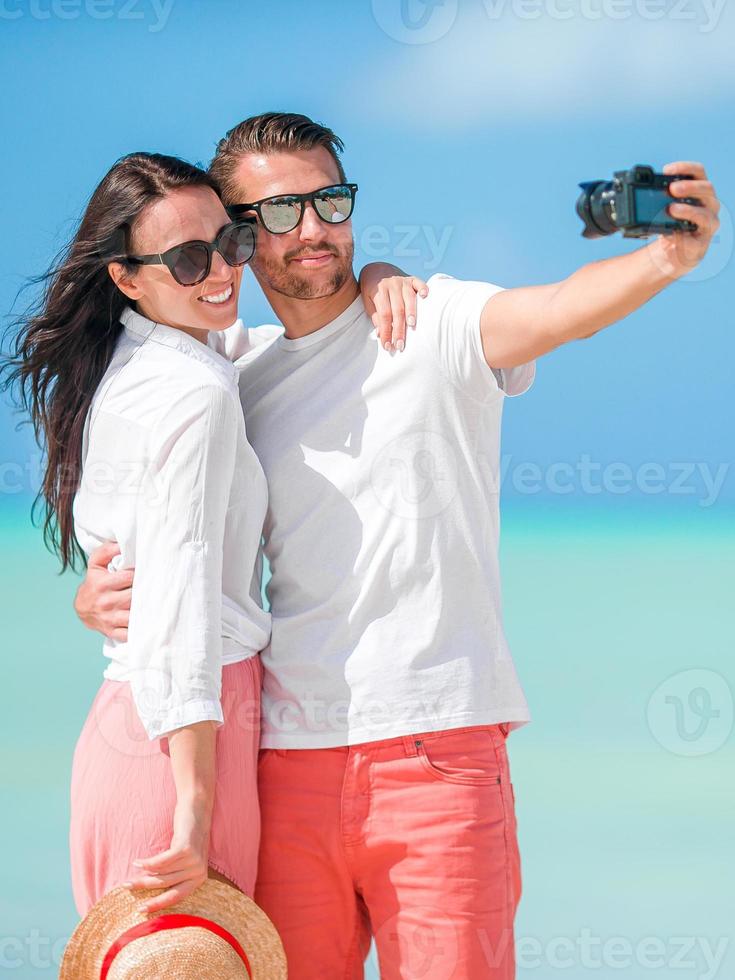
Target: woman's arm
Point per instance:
(389, 296)
(174, 648)
(184, 866)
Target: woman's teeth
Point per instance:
(219, 297)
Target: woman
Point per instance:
(146, 445)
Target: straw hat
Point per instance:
(216, 933)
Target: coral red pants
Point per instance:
(411, 840)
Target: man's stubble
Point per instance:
(278, 274)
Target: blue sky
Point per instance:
(468, 126)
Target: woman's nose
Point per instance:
(220, 269)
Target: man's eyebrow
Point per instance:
(288, 193)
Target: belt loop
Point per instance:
(409, 745)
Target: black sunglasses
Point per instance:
(334, 204)
(190, 263)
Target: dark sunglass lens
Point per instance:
(280, 214)
(190, 265)
(237, 244)
(334, 204)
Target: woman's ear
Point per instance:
(124, 280)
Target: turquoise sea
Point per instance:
(621, 626)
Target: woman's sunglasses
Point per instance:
(191, 262)
(333, 204)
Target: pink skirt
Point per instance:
(123, 794)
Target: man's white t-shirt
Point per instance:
(382, 526)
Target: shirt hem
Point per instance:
(514, 717)
(115, 671)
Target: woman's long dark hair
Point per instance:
(63, 345)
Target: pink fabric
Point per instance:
(123, 794)
(412, 839)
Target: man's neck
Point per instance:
(301, 317)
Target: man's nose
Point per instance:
(312, 227)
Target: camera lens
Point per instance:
(594, 207)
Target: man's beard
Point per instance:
(280, 275)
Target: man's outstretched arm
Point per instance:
(518, 325)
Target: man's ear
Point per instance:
(124, 280)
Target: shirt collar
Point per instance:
(354, 311)
(139, 327)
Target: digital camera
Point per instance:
(633, 202)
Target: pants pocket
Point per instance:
(469, 757)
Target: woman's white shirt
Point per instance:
(169, 474)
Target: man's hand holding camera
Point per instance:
(521, 324)
(678, 253)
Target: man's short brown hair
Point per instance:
(270, 132)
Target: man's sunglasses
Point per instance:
(333, 204)
(190, 263)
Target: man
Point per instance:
(389, 689)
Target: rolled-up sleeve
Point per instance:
(175, 627)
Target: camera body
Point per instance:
(633, 202)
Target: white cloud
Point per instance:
(505, 57)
